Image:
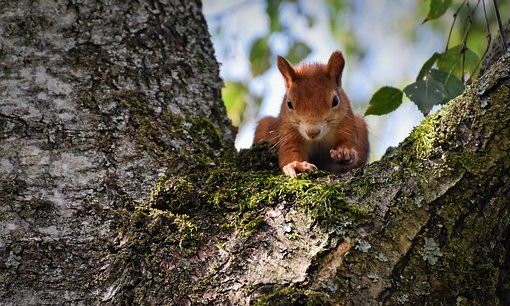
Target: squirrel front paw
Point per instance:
(348, 155)
(290, 168)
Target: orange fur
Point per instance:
(310, 127)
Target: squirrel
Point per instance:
(316, 127)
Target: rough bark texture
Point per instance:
(119, 183)
(96, 99)
(496, 48)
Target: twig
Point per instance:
(453, 23)
(464, 43)
(489, 40)
(501, 30)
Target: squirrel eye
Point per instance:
(289, 104)
(335, 101)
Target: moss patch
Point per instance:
(424, 136)
(238, 198)
(161, 133)
(292, 296)
(187, 210)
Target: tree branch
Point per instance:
(426, 224)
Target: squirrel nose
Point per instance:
(313, 132)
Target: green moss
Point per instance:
(206, 130)
(285, 296)
(153, 227)
(187, 228)
(260, 157)
(247, 194)
(249, 226)
(293, 236)
(185, 210)
(173, 194)
(158, 136)
(161, 133)
(424, 136)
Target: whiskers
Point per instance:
(289, 130)
(335, 124)
(284, 133)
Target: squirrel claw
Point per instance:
(344, 155)
(290, 168)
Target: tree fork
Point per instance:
(120, 184)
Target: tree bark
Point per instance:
(119, 183)
(97, 99)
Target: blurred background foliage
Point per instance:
(403, 57)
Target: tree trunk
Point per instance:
(97, 99)
(119, 183)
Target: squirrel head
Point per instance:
(314, 102)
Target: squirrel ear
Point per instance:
(286, 69)
(335, 67)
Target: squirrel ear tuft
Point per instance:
(286, 69)
(335, 67)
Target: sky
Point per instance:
(395, 48)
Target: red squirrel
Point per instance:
(316, 127)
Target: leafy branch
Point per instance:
(442, 76)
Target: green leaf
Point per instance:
(384, 101)
(451, 61)
(437, 8)
(428, 64)
(425, 94)
(298, 52)
(234, 96)
(259, 56)
(452, 85)
(272, 10)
